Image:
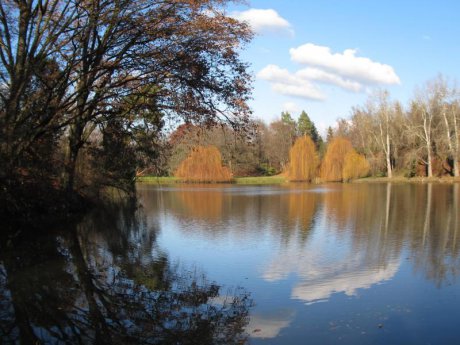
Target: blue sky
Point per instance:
(326, 56)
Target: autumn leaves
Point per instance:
(340, 163)
(203, 164)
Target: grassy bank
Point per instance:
(260, 180)
(158, 180)
(401, 179)
(238, 180)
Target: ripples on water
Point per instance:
(226, 264)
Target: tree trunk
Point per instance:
(427, 132)
(450, 142)
(74, 146)
(388, 153)
(457, 147)
(429, 165)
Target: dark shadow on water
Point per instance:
(104, 280)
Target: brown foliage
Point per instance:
(72, 68)
(303, 160)
(204, 164)
(342, 162)
(355, 166)
(334, 160)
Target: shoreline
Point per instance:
(418, 179)
(276, 180)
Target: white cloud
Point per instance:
(329, 78)
(346, 64)
(306, 90)
(291, 107)
(264, 20)
(277, 74)
(286, 83)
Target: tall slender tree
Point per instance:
(383, 136)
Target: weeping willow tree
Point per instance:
(355, 166)
(334, 159)
(342, 162)
(303, 160)
(204, 164)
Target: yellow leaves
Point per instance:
(333, 162)
(303, 160)
(342, 162)
(204, 164)
(355, 166)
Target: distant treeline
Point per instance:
(258, 150)
(420, 140)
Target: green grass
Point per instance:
(261, 180)
(257, 180)
(157, 179)
(237, 180)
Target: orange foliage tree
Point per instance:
(204, 164)
(355, 166)
(342, 162)
(334, 159)
(303, 160)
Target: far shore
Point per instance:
(279, 179)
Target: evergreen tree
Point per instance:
(286, 118)
(306, 127)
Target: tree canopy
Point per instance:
(69, 70)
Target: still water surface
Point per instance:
(226, 264)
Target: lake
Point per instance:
(229, 264)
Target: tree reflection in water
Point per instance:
(105, 281)
(375, 226)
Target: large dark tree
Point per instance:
(68, 67)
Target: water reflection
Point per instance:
(269, 325)
(106, 281)
(334, 238)
(126, 275)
